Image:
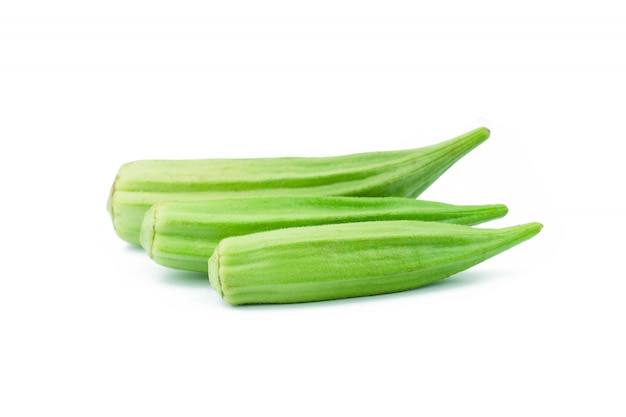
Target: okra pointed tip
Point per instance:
(533, 229)
(492, 212)
(483, 133)
(527, 230)
(500, 209)
(464, 143)
(534, 226)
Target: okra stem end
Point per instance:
(214, 270)
(110, 204)
(148, 230)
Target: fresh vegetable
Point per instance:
(349, 260)
(405, 173)
(183, 235)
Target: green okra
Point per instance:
(405, 173)
(336, 261)
(184, 234)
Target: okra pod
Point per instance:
(336, 261)
(404, 173)
(183, 235)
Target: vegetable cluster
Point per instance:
(286, 230)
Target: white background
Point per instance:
(90, 326)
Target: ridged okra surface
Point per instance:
(183, 235)
(350, 260)
(404, 173)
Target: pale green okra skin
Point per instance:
(404, 173)
(316, 263)
(183, 235)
